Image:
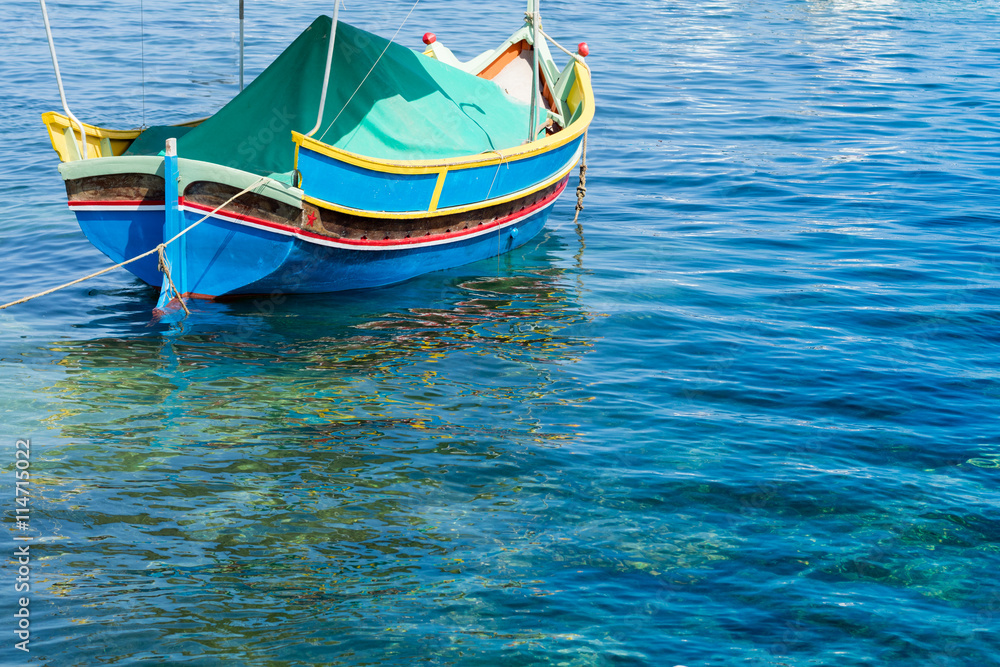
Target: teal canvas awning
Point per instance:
(410, 107)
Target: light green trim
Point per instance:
(552, 74)
(563, 81)
(194, 170)
(71, 144)
(476, 65)
(190, 170)
(444, 54)
(139, 164)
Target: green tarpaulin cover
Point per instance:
(410, 107)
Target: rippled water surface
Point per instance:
(746, 413)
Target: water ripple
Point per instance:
(744, 413)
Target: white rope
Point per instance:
(503, 162)
(391, 40)
(62, 92)
(563, 48)
(259, 181)
(159, 249)
(326, 73)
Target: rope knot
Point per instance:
(581, 188)
(162, 264)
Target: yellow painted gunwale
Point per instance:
(581, 86)
(434, 211)
(56, 124)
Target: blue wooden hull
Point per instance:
(230, 255)
(338, 220)
(309, 267)
(337, 181)
(331, 220)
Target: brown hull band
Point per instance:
(147, 189)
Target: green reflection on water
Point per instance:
(229, 488)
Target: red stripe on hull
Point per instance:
(85, 204)
(355, 242)
(381, 242)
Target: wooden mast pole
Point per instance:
(241, 44)
(535, 36)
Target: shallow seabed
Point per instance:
(744, 414)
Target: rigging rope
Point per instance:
(503, 162)
(374, 65)
(562, 48)
(158, 249)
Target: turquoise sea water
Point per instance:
(746, 413)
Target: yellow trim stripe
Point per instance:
(65, 138)
(101, 142)
(438, 187)
(544, 145)
(59, 120)
(575, 96)
(411, 215)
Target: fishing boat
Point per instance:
(350, 162)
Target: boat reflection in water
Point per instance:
(321, 480)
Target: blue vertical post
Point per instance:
(173, 223)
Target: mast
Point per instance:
(536, 29)
(241, 45)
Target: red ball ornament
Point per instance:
(583, 49)
(429, 38)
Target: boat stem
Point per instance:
(175, 256)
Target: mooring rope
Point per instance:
(164, 267)
(581, 188)
(158, 249)
(503, 161)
